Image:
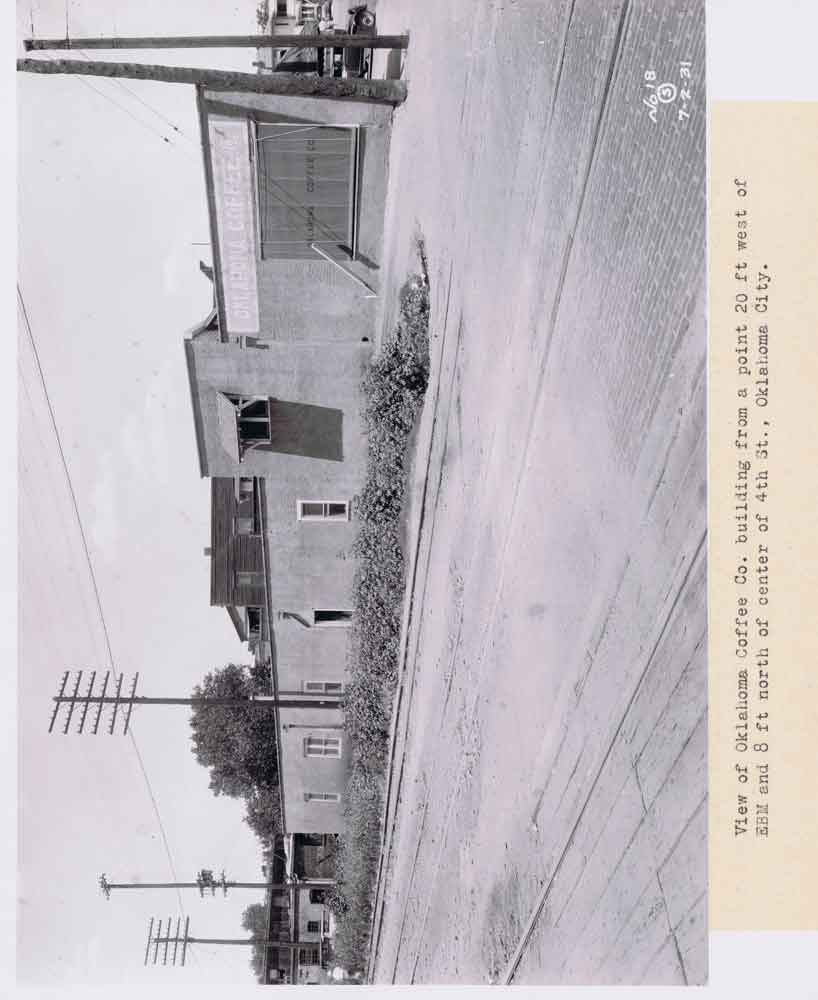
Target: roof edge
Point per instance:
(198, 423)
(210, 194)
(203, 326)
(238, 622)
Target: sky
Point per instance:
(111, 205)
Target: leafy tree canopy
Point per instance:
(236, 744)
(254, 921)
(263, 813)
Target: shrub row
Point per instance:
(394, 386)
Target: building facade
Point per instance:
(296, 193)
(290, 179)
(298, 916)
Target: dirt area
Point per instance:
(547, 819)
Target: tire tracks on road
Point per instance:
(472, 713)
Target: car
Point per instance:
(355, 62)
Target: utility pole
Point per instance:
(281, 84)
(338, 40)
(184, 939)
(284, 699)
(206, 882)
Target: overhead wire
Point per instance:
(127, 89)
(122, 107)
(94, 583)
(53, 502)
(167, 141)
(136, 97)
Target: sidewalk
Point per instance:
(420, 508)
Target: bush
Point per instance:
(394, 387)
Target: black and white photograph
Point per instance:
(362, 458)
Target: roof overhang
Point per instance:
(228, 426)
(196, 404)
(238, 621)
(204, 130)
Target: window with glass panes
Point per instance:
(323, 687)
(322, 746)
(246, 513)
(323, 510)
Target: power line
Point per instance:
(122, 107)
(87, 552)
(125, 110)
(150, 107)
(136, 97)
(55, 506)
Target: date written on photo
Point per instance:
(666, 94)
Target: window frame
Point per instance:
(336, 623)
(324, 687)
(330, 747)
(246, 512)
(307, 956)
(326, 517)
(250, 631)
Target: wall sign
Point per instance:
(233, 195)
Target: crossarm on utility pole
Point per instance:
(264, 702)
(148, 945)
(57, 700)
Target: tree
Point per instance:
(263, 814)
(262, 14)
(238, 745)
(254, 921)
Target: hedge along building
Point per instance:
(275, 373)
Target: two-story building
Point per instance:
(298, 917)
(296, 193)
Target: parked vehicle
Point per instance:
(355, 62)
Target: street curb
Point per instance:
(417, 534)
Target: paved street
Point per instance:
(549, 793)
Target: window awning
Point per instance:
(228, 426)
